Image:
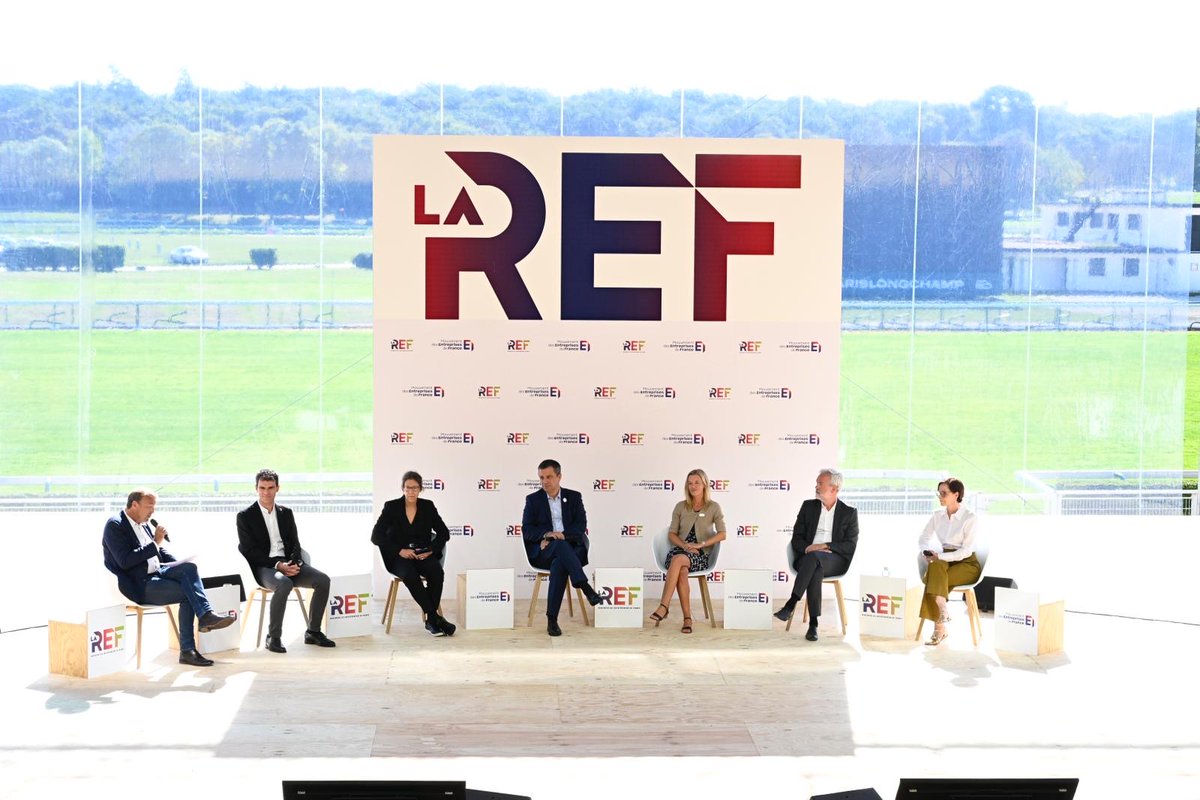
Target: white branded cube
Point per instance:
(889, 607)
(107, 640)
(348, 613)
(1024, 624)
(486, 598)
(748, 599)
(225, 602)
(621, 602)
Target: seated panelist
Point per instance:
(697, 524)
(411, 538)
(948, 546)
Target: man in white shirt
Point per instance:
(267, 537)
(823, 540)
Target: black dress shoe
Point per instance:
(812, 633)
(590, 594)
(214, 622)
(193, 658)
(785, 613)
(552, 627)
(433, 628)
(446, 625)
(318, 638)
(274, 645)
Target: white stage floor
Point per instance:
(615, 713)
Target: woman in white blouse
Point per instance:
(696, 525)
(948, 545)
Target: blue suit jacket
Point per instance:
(126, 558)
(536, 522)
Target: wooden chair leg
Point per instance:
(138, 609)
(804, 611)
(570, 604)
(389, 605)
(303, 610)
(537, 585)
(841, 600)
(246, 613)
(708, 609)
(921, 624)
(792, 616)
(583, 606)
(174, 624)
(262, 615)
(973, 616)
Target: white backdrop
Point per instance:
(624, 342)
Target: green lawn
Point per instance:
(1085, 405)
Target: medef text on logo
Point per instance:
(571, 345)
(720, 392)
(747, 530)
(402, 437)
(684, 438)
(570, 438)
(489, 392)
(664, 485)
(749, 439)
(632, 531)
(633, 439)
(773, 393)
(519, 438)
(633, 346)
(605, 393)
(750, 346)
(489, 485)
(402, 345)
(720, 484)
(424, 391)
(455, 345)
(604, 485)
(513, 532)
(800, 438)
(519, 346)
(455, 438)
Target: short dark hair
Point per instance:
(136, 496)
(956, 486)
(266, 475)
(550, 463)
(412, 475)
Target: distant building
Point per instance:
(1116, 244)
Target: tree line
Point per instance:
(262, 150)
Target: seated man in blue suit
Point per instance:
(145, 573)
(554, 527)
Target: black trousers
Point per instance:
(811, 569)
(410, 570)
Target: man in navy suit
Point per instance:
(268, 538)
(146, 574)
(823, 540)
(554, 526)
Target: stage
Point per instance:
(607, 713)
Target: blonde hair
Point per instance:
(705, 498)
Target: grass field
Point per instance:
(1083, 404)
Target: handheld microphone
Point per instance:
(154, 522)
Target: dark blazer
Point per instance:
(126, 558)
(254, 542)
(845, 528)
(393, 532)
(536, 522)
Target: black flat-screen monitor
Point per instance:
(987, 788)
(389, 790)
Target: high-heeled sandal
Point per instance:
(655, 616)
(687, 625)
(937, 638)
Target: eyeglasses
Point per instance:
(943, 493)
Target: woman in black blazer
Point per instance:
(411, 537)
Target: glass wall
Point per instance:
(187, 285)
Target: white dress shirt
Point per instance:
(824, 532)
(556, 516)
(272, 521)
(145, 537)
(950, 530)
